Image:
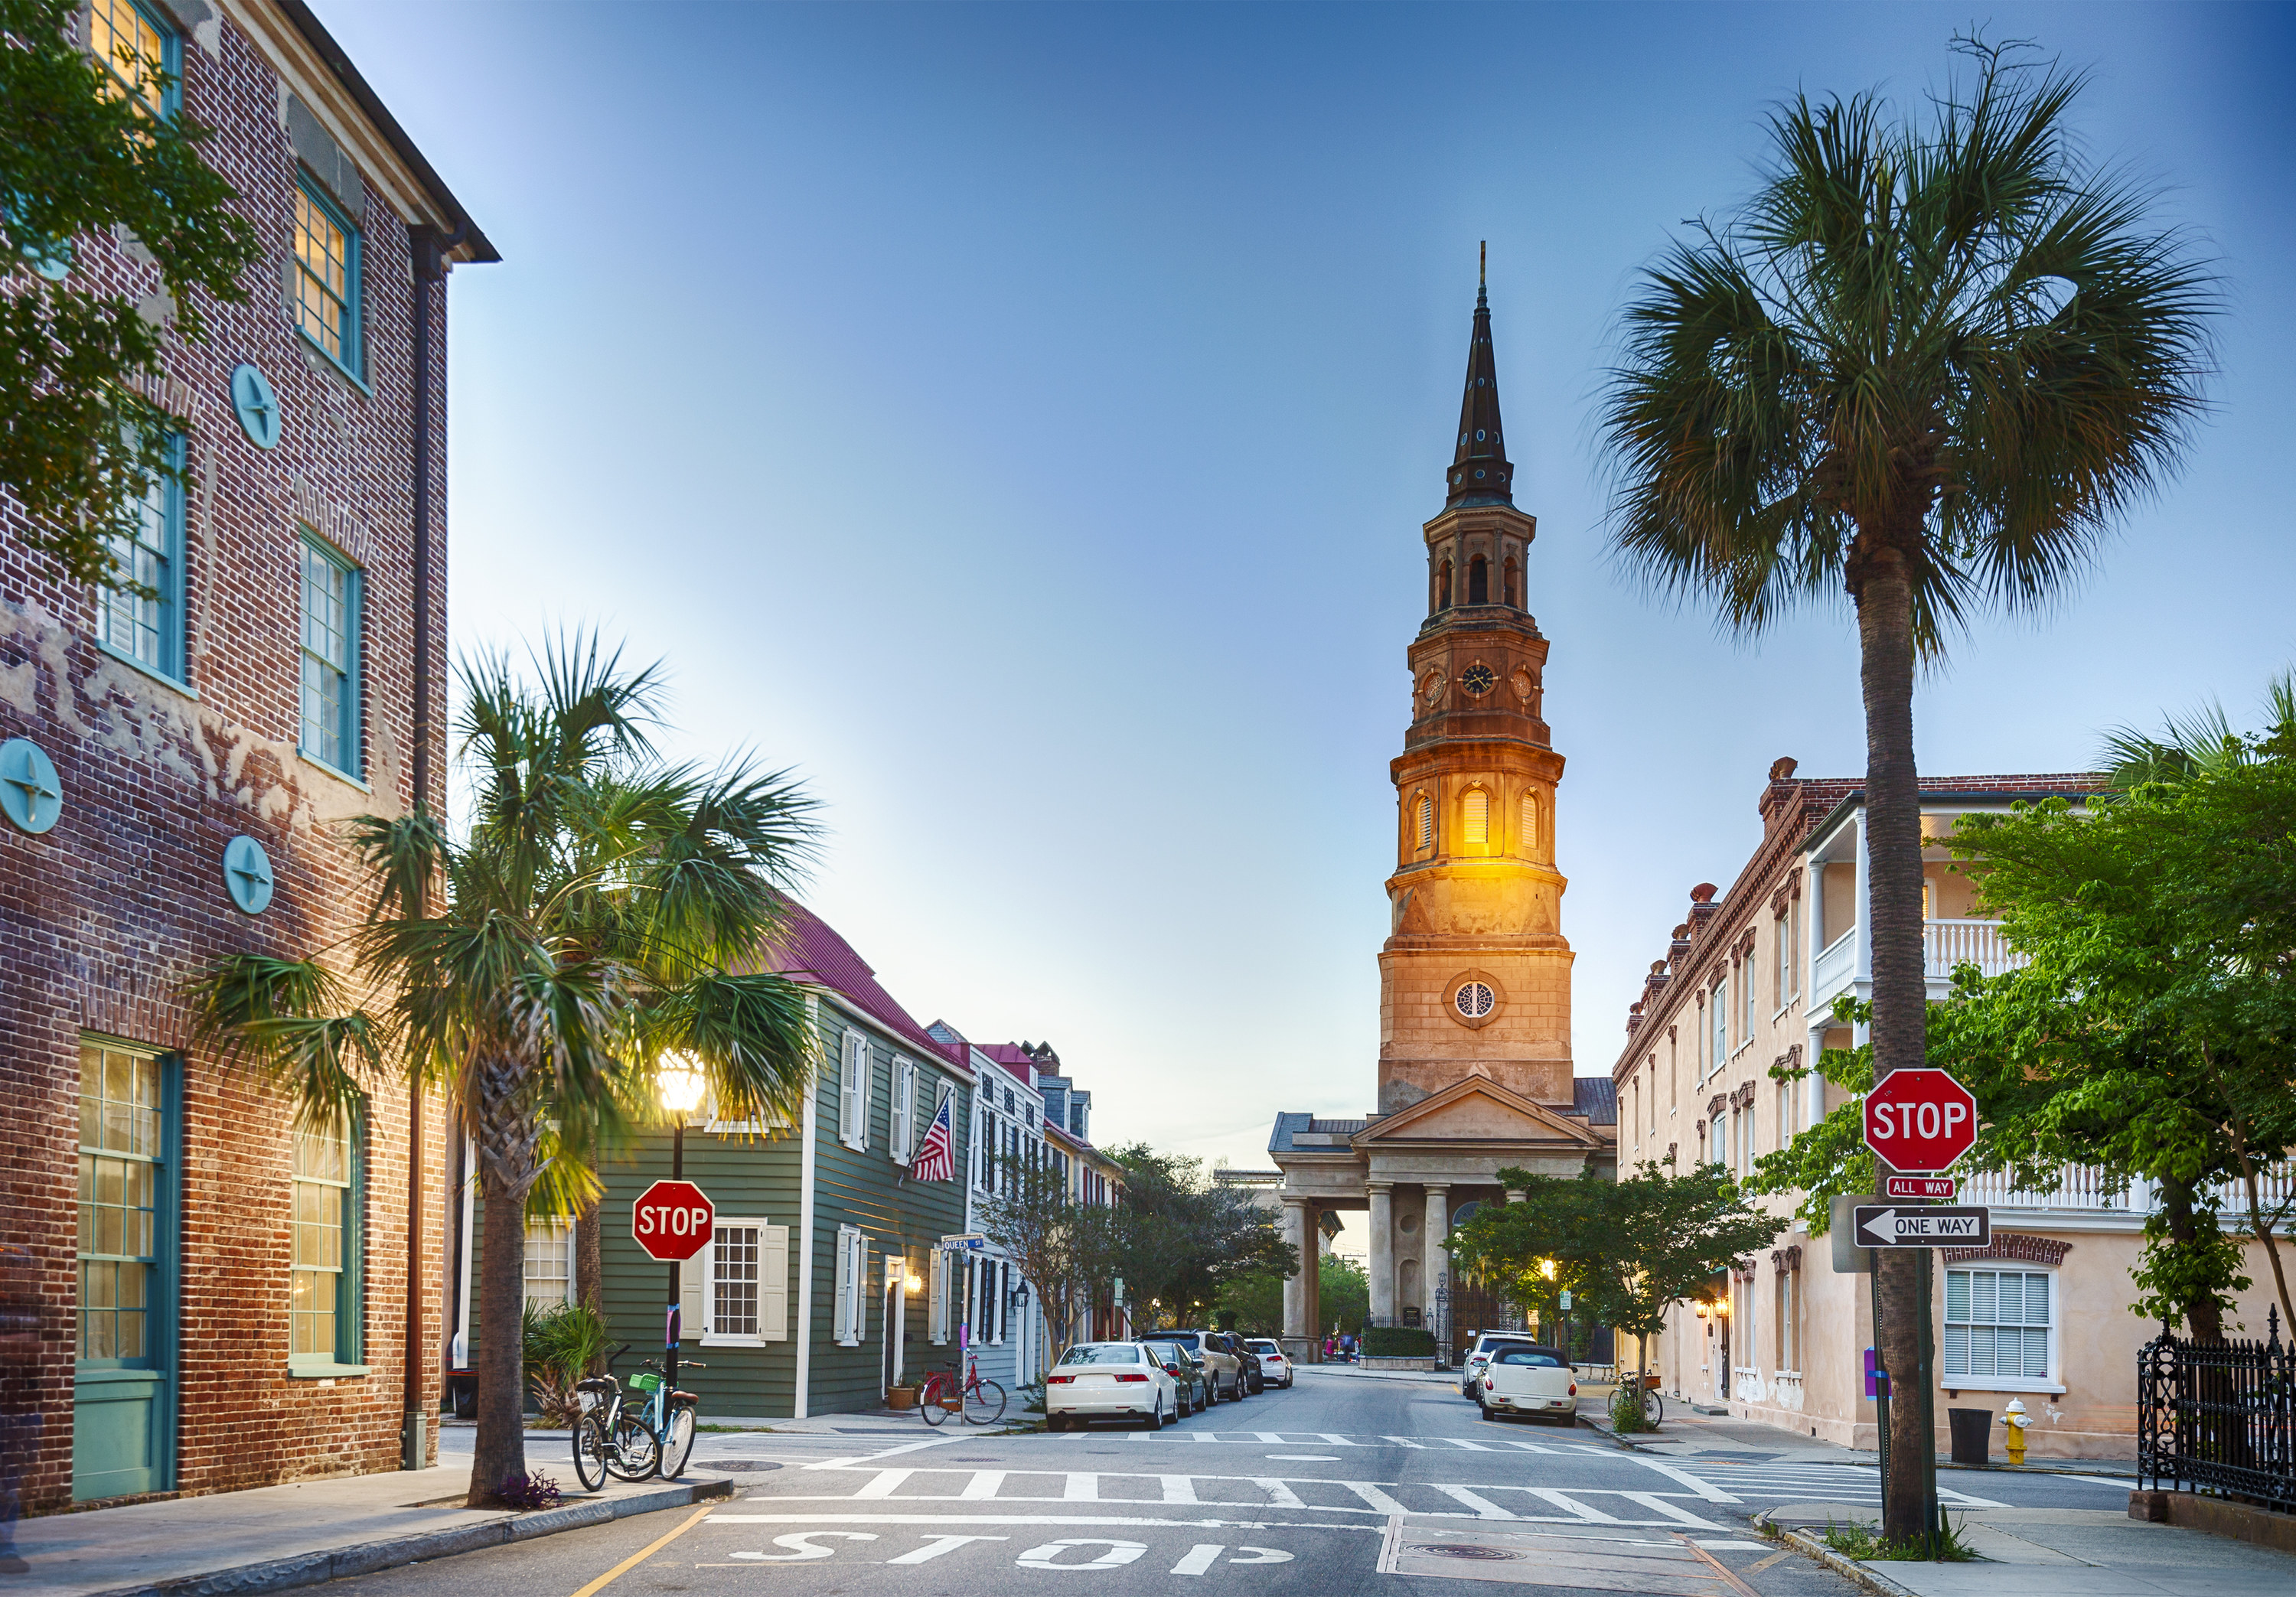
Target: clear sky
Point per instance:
(1019, 420)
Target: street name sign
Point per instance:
(1919, 1121)
(1936, 1188)
(673, 1220)
(968, 1241)
(1888, 1226)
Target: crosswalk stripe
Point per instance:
(1179, 1488)
(1275, 1437)
(1405, 1442)
(1571, 1505)
(1675, 1512)
(1336, 1441)
(882, 1484)
(1528, 1446)
(1469, 1446)
(1279, 1495)
(1484, 1507)
(1378, 1501)
(983, 1484)
(1082, 1488)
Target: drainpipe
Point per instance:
(429, 247)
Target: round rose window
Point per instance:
(1474, 1000)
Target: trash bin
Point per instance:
(1972, 1434)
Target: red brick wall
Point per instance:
(102, 918)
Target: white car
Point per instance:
(1471, 1377)
(1275, 1368)
(1535, 1382)
(1108, 1381)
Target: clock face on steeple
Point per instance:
(1477, 679)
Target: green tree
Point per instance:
(1181, 1237)
(1625, 1249)
(598, 916)
(1068, 1252)
(1343, 1299)
(89, 148)
(1930, 362)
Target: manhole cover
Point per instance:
(738, 1466)
(1462, 1549)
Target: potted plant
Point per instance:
(901, 1397)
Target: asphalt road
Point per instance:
(1345, 1483)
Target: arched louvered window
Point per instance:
(1475, 816)
(1529, 834)
(1443, 588)
(1479, 581)
(1508, 589)
(1426, 821)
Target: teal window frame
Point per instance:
(351, 333)
(352, 752)
(350, 1279)
(121, 612)
(171, 59)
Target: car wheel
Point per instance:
(1155, 1420)
(1055, 1422)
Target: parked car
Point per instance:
(1274, 1363)
(1254, 1379)
(1223, 1370)
(1108, 1381)
(1535, 1382)
(1188, 1373)
(1479, 1353)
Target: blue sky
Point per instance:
(1019, 420)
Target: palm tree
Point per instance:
(595, 917)
(2198, 743)
(1931, 362)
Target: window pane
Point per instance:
(322, 278)
(131, 49)
(735, 1278)
(117, 1191)
(327, 644)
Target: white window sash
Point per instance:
(711, 1334)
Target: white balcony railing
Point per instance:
(2078, 1186)
(1833, 969)
(1945, 944)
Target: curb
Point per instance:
(316, 1569)
(1848, 1568)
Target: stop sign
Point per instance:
(1920, 1120)
(672, 1220)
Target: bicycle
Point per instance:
(981, 1401)
(633, 1443)
(1654, 1403)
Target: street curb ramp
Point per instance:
(316, 1568)
(1848, 1568)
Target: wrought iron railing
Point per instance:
(2219, 1417)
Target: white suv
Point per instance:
(1471, 1368)
(1221, 1367)
(1274, 1365)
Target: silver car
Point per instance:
(1223, 1370)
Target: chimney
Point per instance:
(1679, 947)
(1777, 803)
(1701, 906)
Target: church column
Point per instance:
(1438, 1261)
(1382, 1253)
(1311, 1271)
(1514, 1195)
(1297, 1317)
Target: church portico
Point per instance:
(1474, 1070)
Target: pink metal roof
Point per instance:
(811, 951)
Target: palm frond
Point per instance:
(753, 1035)
(286, 1019)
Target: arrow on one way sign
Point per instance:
(1922, 1227)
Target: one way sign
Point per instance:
(1880, 1227)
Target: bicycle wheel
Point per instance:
(631, 1451)
(984, 1404)
(931, 1401)
(1653, 1406)
(677, 1441)
(590, 1453)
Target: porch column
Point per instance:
(1514, 1195)
(1311, 1268)
(1299, 1318)
(1382, 1252)
(1436, 1263)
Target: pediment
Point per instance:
(1478, 1110)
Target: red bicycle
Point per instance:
(981, 1402)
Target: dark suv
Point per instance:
(1255, 1380)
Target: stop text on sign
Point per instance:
(1920, 1121)
(673, 1220)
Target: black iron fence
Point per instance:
(2219, 1417)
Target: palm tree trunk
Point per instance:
(498, 1363)
(590, 1271)
(1893, 864)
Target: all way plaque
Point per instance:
(1886, 1227)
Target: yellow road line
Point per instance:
(643, 1553)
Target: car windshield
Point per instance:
(1489, 1350)
(1102, 1353)
(1264, 1349)
(1178, 1339)
(1535, 1357)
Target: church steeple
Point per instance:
(1479, 472)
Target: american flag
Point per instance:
(936, 1159)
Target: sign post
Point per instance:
(673, 1221)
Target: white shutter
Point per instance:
(840, 1319)
(855, 1129)
(693, 1298)
(904, 1111)
(860, 1288)
(937, 1293)
(1528, 843)
(773, 1284)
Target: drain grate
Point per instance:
(1462, 1549)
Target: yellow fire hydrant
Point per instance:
(2014, 1422)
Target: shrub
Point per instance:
(561, 1345)
(529, 1491)
(1399, 1341)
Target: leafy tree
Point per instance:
(1068, 1252)
(1343, 1299)
(1931, 362)
(1625, 1249)
(598, 916)
(1181, 1237)
(87, 149)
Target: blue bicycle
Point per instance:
(633, 1435)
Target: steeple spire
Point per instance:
(1479, 473)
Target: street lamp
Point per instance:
(682, 1086)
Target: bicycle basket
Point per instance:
(646, 1381)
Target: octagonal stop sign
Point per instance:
(673, 1220)
(1920, 1120)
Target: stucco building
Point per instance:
(1474, 1070)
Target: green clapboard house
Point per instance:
(825, 1282)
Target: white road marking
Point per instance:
(1200, 1558)
(802, 1542)
(883, 1484)
(1336, 1441)
(1680, 1516)
(1275, 1437)
(1306, 1458)
(1405, 1442)
(1469, 1446)
(935, 1545)
(1262, 1555)
(1377, 1501)
(1179, 1488)
(856, 1462)
(983, 1484)
(1572, 1506)
(1704, 1489)
(1484, 1507)
(1528, 1446)
(1039, 1520)
(1049, 1556)
(1082, 1488)
(1279, 1495)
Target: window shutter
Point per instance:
(855, 1131)
(772, 1284)
(841, 1316)
(1528, 843)
(904, 1111)
(1475, 813)
(861, 1251)
(937, 1290)
(1426, 821)
(694, 1297)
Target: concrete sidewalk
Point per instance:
(2070, 1553)
(275, 1538)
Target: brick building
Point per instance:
(220, 1300)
